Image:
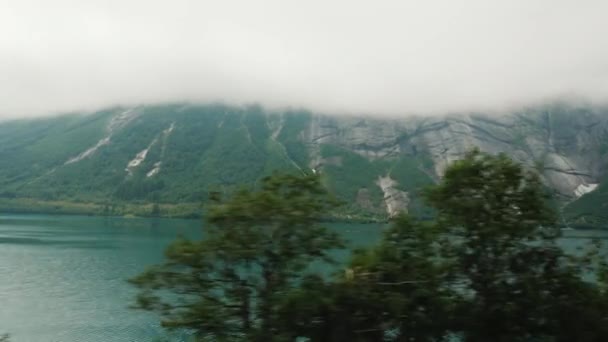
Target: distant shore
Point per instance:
(129, 209)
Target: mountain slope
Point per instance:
(166, 159)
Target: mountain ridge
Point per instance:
(164, 159)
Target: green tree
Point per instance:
(155, 212)
(517, 284)
(394, 291)
(257, 245)
(488, 269)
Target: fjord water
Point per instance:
(63, 278)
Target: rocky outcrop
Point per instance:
(565, 143)
(396, 201)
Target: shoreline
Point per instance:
(188, 211)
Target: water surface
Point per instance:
(63, 278)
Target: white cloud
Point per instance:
(375, 56)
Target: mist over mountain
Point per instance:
(383, 57)
(166, 159)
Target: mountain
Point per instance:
(165, 159)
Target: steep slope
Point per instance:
(166, 159)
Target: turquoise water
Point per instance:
(63, 278)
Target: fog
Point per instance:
(378, 57)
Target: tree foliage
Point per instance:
(518, 284)
(488, 268)
(257, 245)
(391, 292)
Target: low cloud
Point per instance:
(380, 57)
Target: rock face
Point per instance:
(396, 201)
(566, 144)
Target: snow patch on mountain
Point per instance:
(584, 189)
(155, 170)
(139, 158)
(164, 135)
(89, 152)
(122, 119)
(170, 129)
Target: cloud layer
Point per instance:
(375, 56)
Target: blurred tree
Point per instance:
(155, 212)
(488, 268)
(517, 283)
(394, 291)
(256, 247)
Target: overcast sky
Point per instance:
(375, 56)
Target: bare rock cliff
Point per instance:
(565, 144)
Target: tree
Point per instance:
(394, 291)
(155, 212)
(517, 284)
(257, 245)
(487, 269)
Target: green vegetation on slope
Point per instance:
(191, 150)
(197, 149)
(591, 210)
(347, 174)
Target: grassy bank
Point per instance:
(37, 206)
(165, 210)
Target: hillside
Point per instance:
(164, 160)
